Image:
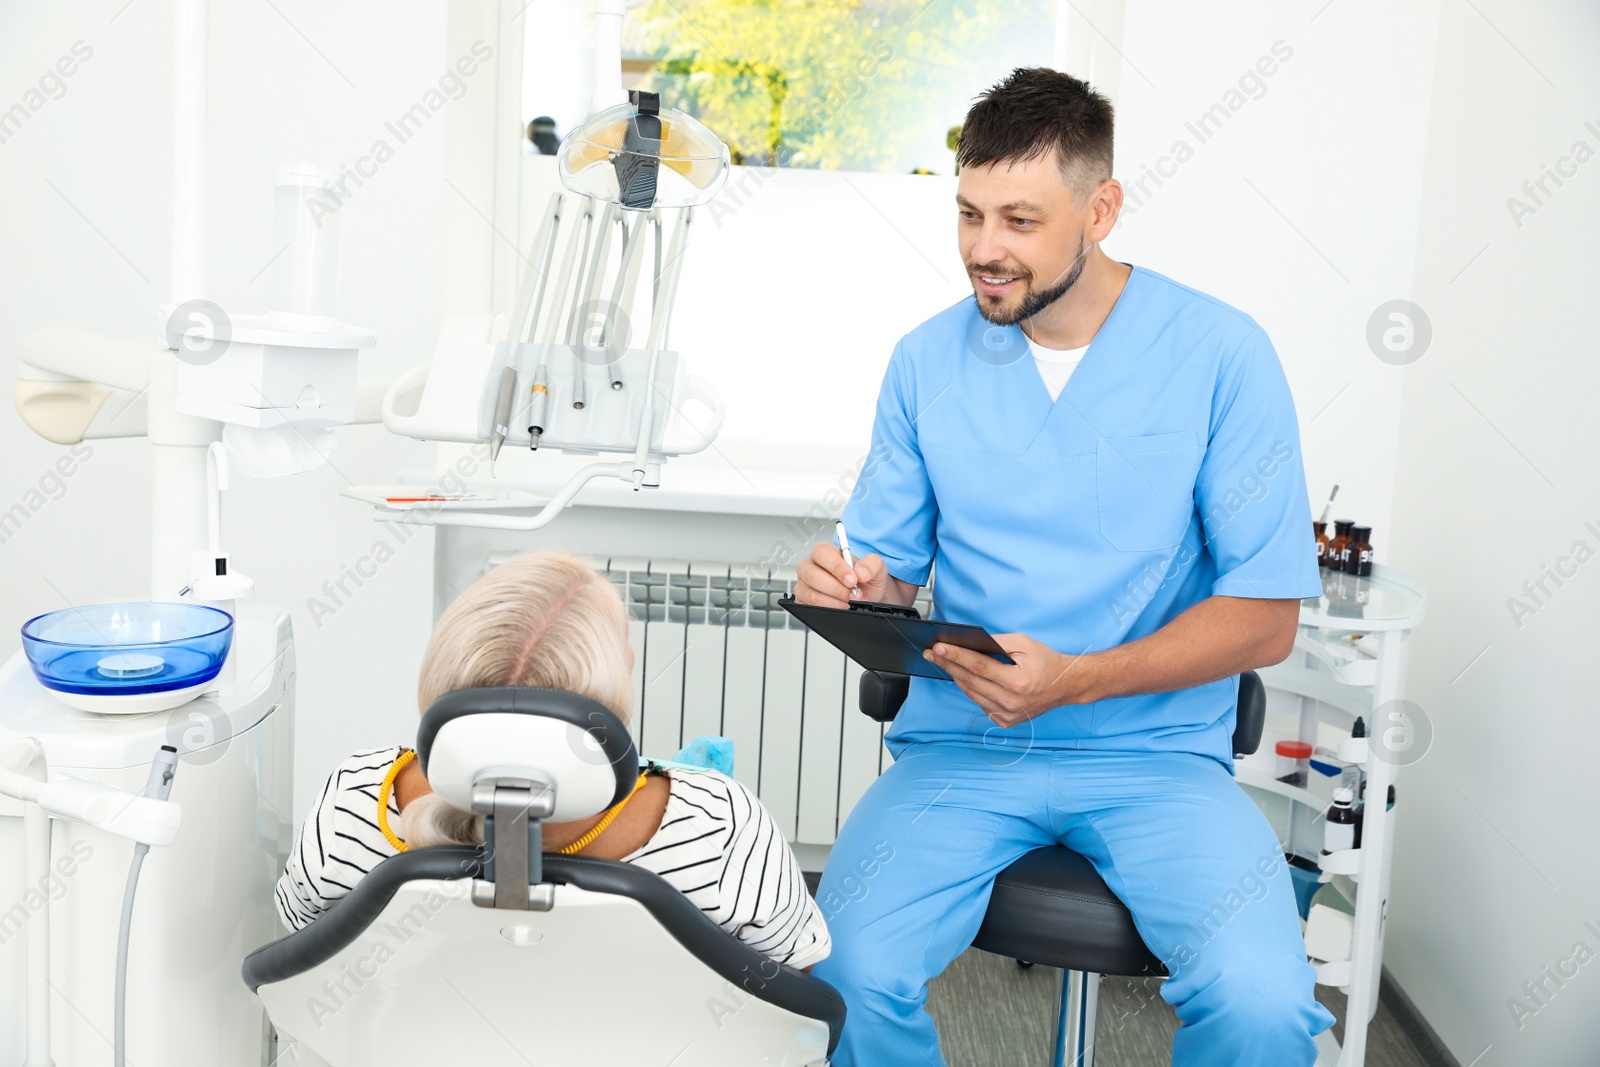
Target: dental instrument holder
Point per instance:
(294, 365)
(459, 395)
(609, 419)
(513, 808)
(445, 408)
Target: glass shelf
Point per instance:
(1385, 600)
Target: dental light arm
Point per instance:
(73, 384)
(608, 14)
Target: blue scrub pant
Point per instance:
(1174, 837)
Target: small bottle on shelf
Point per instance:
(1353, 751)
(1358, 553)
(1321, 529)
(1340, 542)
(1339, 829)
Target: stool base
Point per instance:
(1080, 1000)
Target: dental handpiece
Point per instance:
(538, 405)
(162, 769)
(502, 413)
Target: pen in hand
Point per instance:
(844, 547)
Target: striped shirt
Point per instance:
(716, 844)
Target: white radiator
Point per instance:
(715, 654)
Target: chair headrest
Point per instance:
(472, 735)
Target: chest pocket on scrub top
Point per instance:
(1145, 489)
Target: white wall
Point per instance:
(289, 81)
(1496, 869)
(1300, 209)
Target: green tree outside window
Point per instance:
(870, 85)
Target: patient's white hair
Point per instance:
(544, 619)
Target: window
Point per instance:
(856, 85)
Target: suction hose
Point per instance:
(159, 786)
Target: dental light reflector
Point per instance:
(641, 155)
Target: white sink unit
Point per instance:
(203, 901)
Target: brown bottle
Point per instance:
(1340, 542)
(1358, 553)
(1322, 542)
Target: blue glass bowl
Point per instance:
(127, 649)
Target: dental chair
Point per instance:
(503, 955)
(1051, 907)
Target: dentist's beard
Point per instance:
(1035, 300)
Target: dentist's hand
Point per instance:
(825, 580)
(1042, 678)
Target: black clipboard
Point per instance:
(890, 638)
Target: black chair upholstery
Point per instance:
(1050, 906)
(1250, 716)
(882, 694)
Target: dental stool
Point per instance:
(503, 955)
(1051, 907)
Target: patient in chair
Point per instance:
(548, 619)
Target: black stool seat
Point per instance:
(1051, 907)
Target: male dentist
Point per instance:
(1102, 467)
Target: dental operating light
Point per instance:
(641, 155)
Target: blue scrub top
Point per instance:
(1167, 471)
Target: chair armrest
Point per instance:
(882, 694)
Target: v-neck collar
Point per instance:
(1112, 321)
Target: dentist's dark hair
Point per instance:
(1035, 111)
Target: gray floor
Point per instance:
(992, 1012)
